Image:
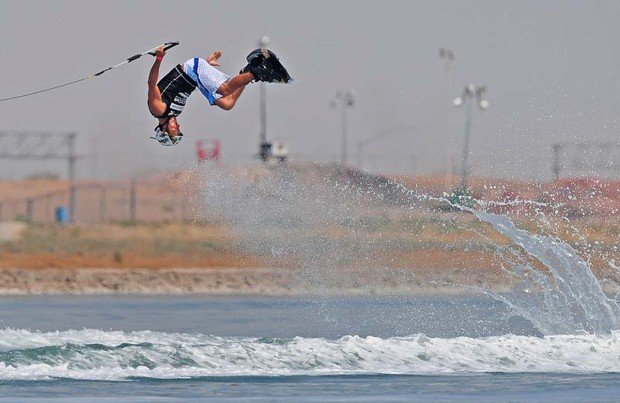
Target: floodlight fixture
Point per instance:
(472, 93)
(446, 54)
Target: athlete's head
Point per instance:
(169, 132)
(172, 126)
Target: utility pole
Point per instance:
(263, 112)
(132, 200)
(94, 158)
(465, 158)
(346, 99)
(557, 149)
(345, 134)
(71, 157)
(448, 57)
(72, 190)
(264, 146)
(470, 93)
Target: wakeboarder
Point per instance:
(167, 98)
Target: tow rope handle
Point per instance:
(167, 45)
(151, 52)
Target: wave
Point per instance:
(116, 355)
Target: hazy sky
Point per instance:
(551, 68)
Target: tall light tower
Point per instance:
(470, 93)
(448, 57)
(264, 146)
(346, 100)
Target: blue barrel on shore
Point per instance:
(62, 215)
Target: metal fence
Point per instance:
(104, 203)
(586, 159)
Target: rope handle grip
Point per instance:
(167, 45)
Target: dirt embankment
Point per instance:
(208, 259)
(174, 259)
(233, 281)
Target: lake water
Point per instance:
(293, 349)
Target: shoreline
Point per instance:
(243, 281)
(239, 281)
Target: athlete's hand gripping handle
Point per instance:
(165, 46)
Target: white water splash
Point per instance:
(568, 300)
(114, 355)
(563, 298)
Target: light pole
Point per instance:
(470, 93)
(346, 99)
(448, 57)
(264, 147)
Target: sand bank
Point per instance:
(242, 281)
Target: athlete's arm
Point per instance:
(155, 103)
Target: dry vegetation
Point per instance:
(123, 246)
(433, 244)
(417, 243)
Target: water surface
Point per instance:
(305, 349)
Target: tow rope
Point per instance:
(151, 52)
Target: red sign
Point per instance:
(209, 149)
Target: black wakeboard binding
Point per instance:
(265, 66)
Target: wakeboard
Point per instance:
(268, 66)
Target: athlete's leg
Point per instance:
(234, 84)
(227, 102)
